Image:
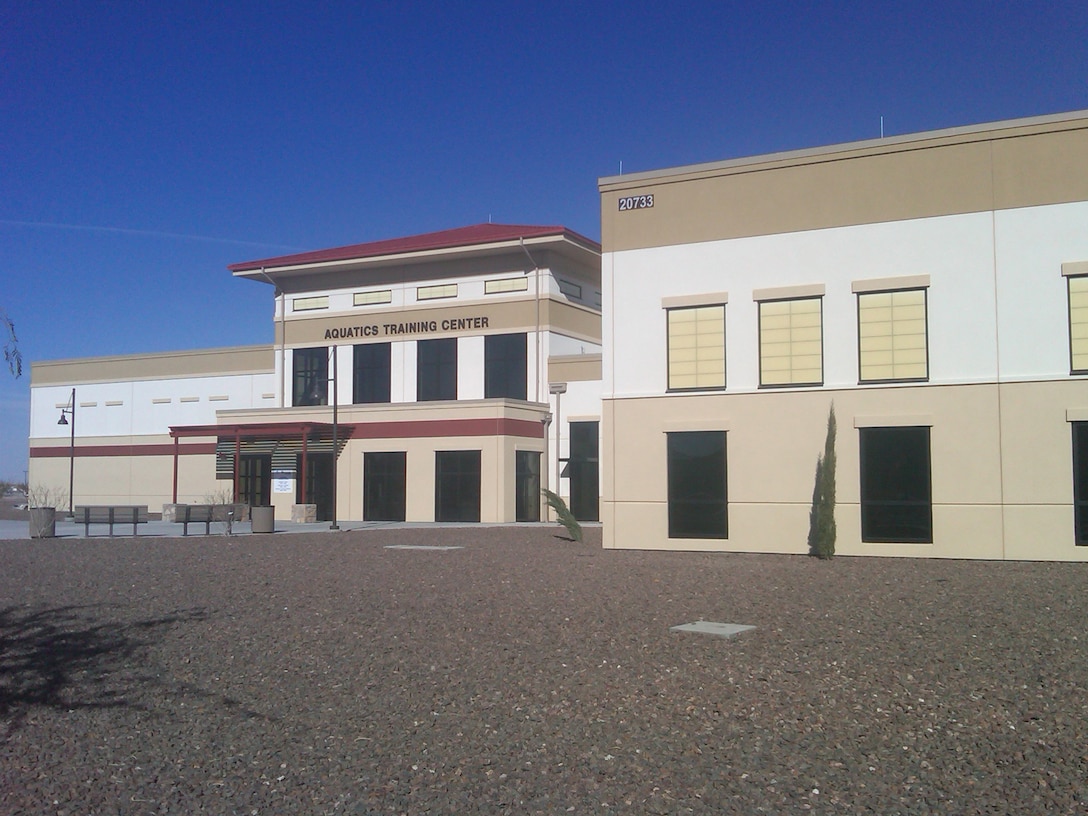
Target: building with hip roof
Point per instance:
(410, 380)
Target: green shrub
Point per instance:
(563, 514)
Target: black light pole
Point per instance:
(335, 436)
(71, 409)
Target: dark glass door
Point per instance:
(384, 486)
(255, 479)
(457, 485)
(527, 486)
(318, 478)
(583, 467)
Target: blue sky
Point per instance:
(143, 147)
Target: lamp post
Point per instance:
(335, 435)
(71, 409)
(558, 389)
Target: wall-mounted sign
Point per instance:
(639, 202)
(413, 327)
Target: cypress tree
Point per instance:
(821, 518)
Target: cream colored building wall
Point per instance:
(985, 216)
(1001, 467)
(144, 479)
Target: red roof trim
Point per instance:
(444, 239)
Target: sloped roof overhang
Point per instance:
(478, 241)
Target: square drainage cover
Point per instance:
(421, 547)
(725, 630)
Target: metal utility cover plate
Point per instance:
(725, 630)
(421, 547)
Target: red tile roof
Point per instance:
(443, 239)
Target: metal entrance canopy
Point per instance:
(286, 438)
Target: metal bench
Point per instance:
(110, 514)
(205, 514)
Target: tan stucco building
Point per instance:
(932, 287)
(438, 351)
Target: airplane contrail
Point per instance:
(149, 233)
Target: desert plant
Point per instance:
(45, 496)
(563, 514)
(821, 518)
(42, 504)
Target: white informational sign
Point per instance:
(283, 485)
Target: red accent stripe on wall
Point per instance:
(449, 428)
(122, 450)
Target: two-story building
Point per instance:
(439, 377)
(933, 288)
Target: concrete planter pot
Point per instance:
(43, 522)
(263, 519)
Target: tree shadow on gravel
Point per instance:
(67, 658)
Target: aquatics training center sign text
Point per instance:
(451, 324)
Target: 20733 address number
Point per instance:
(639, 202)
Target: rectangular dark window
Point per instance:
(505, 366)
(527, 486)
(1080, 481)
(896, 495)
(698, 488)
(371, 369)
(310, 376)
(384, 485)
(457, 485)
(436, 369)
(584, 468)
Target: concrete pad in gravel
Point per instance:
(725, 630)
(421, 547)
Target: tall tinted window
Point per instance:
(310, 376)
(1080, 480)
(698, 492)
(527, 489)
(505, 366)
(436, 369)
(896, 498)
(457, 485)
(371, 373)
(384, 486)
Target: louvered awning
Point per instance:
(284, 443)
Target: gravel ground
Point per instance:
(524, 674)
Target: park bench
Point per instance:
(110, 514)
(205, 514)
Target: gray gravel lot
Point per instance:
(523, 674)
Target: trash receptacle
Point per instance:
(263, 519)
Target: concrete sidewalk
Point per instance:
(20, 529)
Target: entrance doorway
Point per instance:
(583, 468)
(255, 479)
(318, 482)
(384, 486)
(457, 485)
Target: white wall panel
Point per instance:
(955, 251)
(1032, 244)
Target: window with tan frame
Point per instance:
(696, 347)
(1078, 324)
(791, 344)
(892, 336)
(436, 291)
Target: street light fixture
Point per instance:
(64, 412)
